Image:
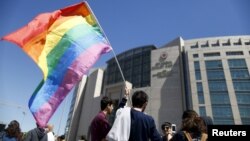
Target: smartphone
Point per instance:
(173, 128)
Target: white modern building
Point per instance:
(209, 75)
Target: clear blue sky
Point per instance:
(127, 24)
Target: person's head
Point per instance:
(140, 100)
(61, 138)
(195, 126)
(166, 127)
(107, 104)
(49, 128)
(189, 114)
(13, 129)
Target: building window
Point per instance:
(236, 63)
(218, 93)
(241, 85)
(241, 82)
(137, 60)
(219, 98)
(196, 65)
(239, 74)
(198, 75)
(243, 98)
(225, 117)
(197, 70)
(202, 111)
(213, 64)
(195, 55)
(232, 53)
(200, 93)
(213, 54)
(217, 85)
(247, 43)
(215, 75)
(245, 114)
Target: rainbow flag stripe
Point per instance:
(65, 44)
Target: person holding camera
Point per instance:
(167, 131)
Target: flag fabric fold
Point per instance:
(65, 44)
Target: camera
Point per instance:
(168, 125)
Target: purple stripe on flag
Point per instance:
(73, 75)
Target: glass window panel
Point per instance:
(244, 111)
(195, 55)
(215, 74)
(217, 86)
(232, 53)
(237, 63)
(213, 64)
(199, 87)
(146, 76)
(241, 86)
(202, 111)
(200, 93)
(201, 98)
(239, 74)
(137, 61)
(223, 121)
(217, 111)
(219, 98)
(212, 54)
(198, 75)
(245, 121)
(197, 65)
(243, 98)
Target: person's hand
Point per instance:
(127, 92)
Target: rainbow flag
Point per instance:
(64, 44)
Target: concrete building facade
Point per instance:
(219, 81)
(209, 75)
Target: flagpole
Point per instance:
(110, 45)
(107, 40)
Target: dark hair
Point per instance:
(189, 114)
(139, 98)
(13, 129)
(165, 124)
(194, 125)
(62, 137)
(105, 102)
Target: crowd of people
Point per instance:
(13, 133)
(130, 124)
